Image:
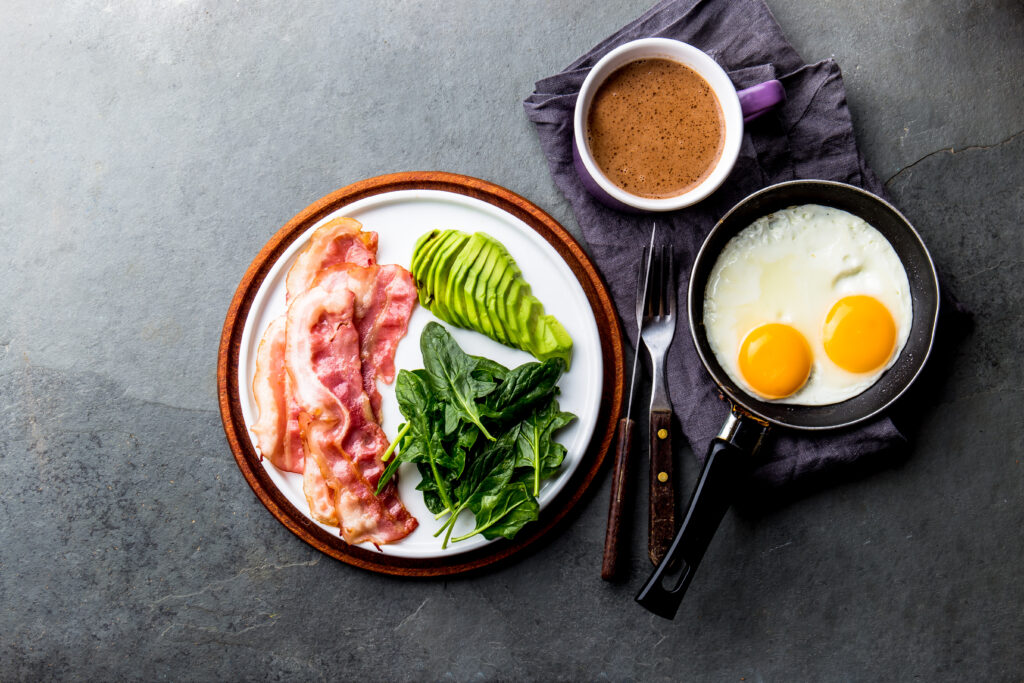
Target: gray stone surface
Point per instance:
(150, 148)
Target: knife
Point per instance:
(610, 565)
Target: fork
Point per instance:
(657, 329)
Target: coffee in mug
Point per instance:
(658, 125)
(655, 128)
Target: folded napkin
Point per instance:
(809, 137)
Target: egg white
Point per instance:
(790, 267)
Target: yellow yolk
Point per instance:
(775, 360)
(859, 334)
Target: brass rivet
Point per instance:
(662, 433)
(662, 477)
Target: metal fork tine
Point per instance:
(665, 274)
(655, 293)
(670, 284)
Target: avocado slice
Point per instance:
(455, 295)
(426, 263)
(421, 266)
(487, 287)
(440, 268)
(552, 340)
(528, 314)
(484, 318)
(422, 244)
(502, 279)
(519, 289)
(463, 268)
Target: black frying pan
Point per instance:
(730, 455)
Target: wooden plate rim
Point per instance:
(609, 410)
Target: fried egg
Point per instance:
(809, 305)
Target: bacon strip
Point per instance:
(339, 241)
(276, 430)
(384, 299)
(322, 359)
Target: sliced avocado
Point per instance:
(441, 273)
(502, 279)
(425, 267)
(463, 268)
(459, 290)
(552, 340)
(472, 281)
(440, 267)
(516, 291)
(421, 266)
(486, 289)
(484, 295)
(528, 314)
(422, 244)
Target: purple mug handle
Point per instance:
(758, 99)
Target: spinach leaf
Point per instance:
(423, 443)
(491, 469)
(488, 370)
(428, 486)
(525, 387)
(503, 513)
(536, 447)
(451, 377)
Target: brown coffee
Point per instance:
(655, 128)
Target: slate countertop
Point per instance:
(150, 149)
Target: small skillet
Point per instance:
(731, 453)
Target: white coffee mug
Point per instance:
(737, 107)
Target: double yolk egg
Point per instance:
(809, 305)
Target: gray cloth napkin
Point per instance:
(810, 136)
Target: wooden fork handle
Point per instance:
(661, 528)
(611, 564)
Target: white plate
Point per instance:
(399, 218)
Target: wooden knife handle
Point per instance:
(610, 565)
(661, 528)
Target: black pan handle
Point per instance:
(729, 459)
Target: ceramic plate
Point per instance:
(400, 214)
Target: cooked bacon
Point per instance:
(384, 299)
(319, 495)
(322, 358)
(338, 241)
(277, 429)
(316, 380)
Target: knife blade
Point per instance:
(611, 564)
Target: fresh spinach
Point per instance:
(451, 375)
(524, 388)
(481, 435)
(503, 513)
(536, 447)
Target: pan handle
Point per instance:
(728, 461)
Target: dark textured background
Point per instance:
(148, 149)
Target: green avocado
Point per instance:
(464, 268)
(472, 281)
(421, 259)
(425, 241)
(490, 321)
(437, 277)
(552, 341)
(504, 279)
(463, 291)
(519, 289)
(527, 314)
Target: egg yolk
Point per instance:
(859, 334)
(775, 360)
